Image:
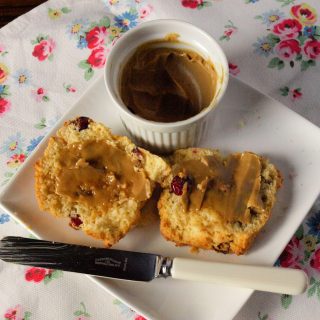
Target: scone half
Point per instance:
(98, 180)
(215, 202)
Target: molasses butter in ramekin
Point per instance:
(164, 77)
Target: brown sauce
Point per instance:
(166, 84)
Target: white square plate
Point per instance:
(244, 120)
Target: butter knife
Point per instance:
(137, 266)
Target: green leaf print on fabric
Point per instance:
(273, 39)
(299, 233)
(314, 288)
(83, 64)
(88, 74)
(204, 4)
(286, 301)
(306, 64)
(41, 124)
(276, 63)
(262, 317)
(286, 2)
(55, 274)
(284, 92)
(105, 22)
(65, 10)
(82, 312)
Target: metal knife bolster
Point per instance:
(163, 267)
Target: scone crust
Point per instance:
(109, 225)
(205, 228)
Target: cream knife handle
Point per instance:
(272, 279)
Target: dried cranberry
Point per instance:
(82, 123)
(137, 152)
(75, 222)
(177, 185)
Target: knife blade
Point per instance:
(137, 266)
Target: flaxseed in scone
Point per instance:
(99, 180)
(217, 202)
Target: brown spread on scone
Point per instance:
(217, 202)
(95, 172)
(228, 187)
(166, 84)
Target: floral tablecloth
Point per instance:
(50, 55)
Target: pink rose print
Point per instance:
(43, 48)
(15, 313)
(96, 37)
(292, 255)
(288, 49)
(69, 88)
(97, 58)
(228, 32)
(233, 69)
(4, 106)
(145, 11)
(138, 317)
(192, 4)
(105, 33)
(293, 41)
(35, 274)
(315, 260)
(312, 49)
(296, 93)
(16, 160)
(287, 28)
(38, 275)
(230, 29)
(304, 13)
(40, 94)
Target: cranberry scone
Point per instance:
(98, 180)
(216, 202)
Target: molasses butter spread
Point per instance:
(167, 84)
(228, 187)
(96, 172)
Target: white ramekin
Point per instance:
(159, 136)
